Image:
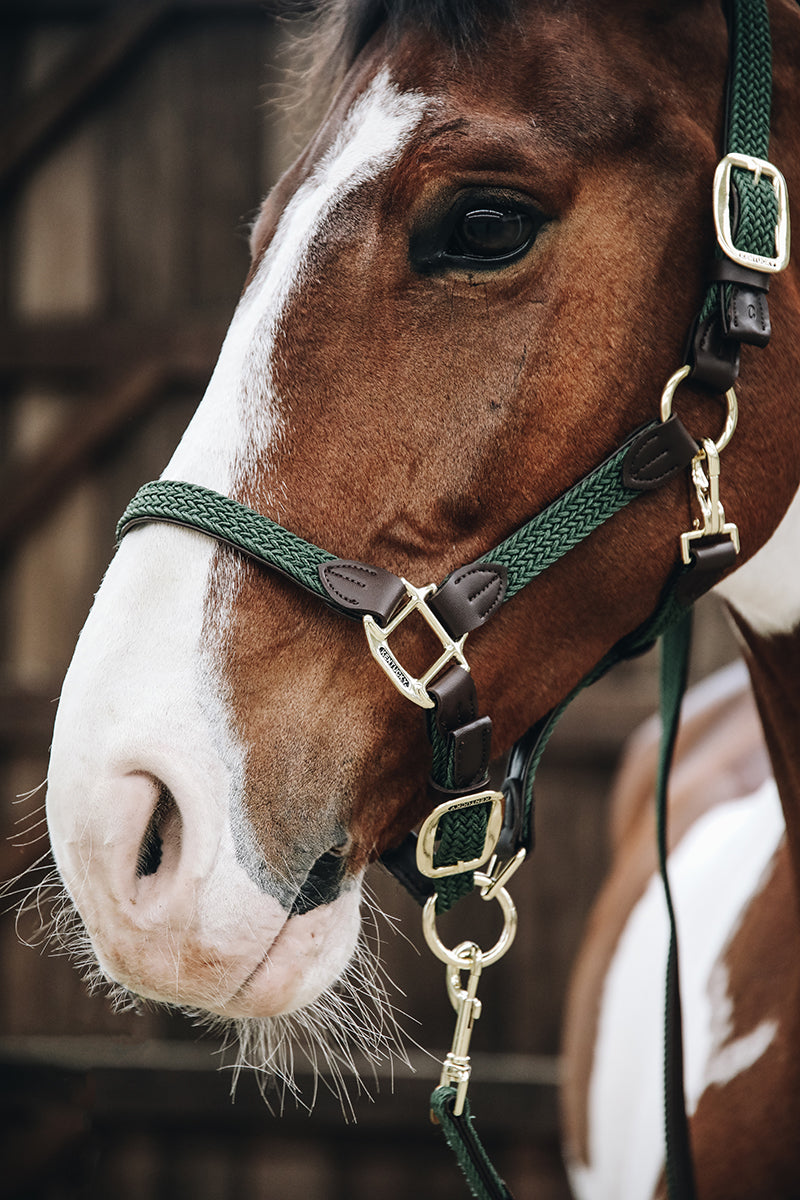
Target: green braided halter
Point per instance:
(523, 556)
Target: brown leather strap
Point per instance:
(469, 597)
(657, 454)
(714, 357)
(746, 316)
(468, 736)
(711, 558)
(725, 270)
(358, 589)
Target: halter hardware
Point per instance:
(731, 418)
(707, 489)
(413, 689)
(758, 167)
(467, 956)
(429, 829)
(706, 485)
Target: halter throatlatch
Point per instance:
(474, 834)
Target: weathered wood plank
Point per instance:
(55, 349)
(34, 488)
(49, 111)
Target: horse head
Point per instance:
(467, 292)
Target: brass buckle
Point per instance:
(426, 842)
(731, 416)
(722, 213)
(378, 641)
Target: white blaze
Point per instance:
(143, 698)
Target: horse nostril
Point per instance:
(341, 849)
(163, 826)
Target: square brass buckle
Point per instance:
(426, 842)
(722, 213)
(378, 640)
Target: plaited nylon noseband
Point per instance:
(472, 824)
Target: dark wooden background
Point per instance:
(137, 140)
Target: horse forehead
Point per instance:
(365, 133)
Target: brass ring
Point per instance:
(452, 957)
(732, 415)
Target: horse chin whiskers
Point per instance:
(349, 1036)
(352, 1031)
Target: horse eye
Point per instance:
(491, 235)
(479, 233)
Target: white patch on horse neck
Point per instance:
(766, 589)
(715, 871)
(731, 1056)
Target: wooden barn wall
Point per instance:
(135, 158)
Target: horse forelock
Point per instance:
(346, 26)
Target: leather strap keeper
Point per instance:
(469, 597)
(746, 316)
(725, 270)
(711, 558)
(658, 454)
(358, 589)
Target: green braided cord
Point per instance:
(751, 80)
(228, 521)
(748, 125)
(748, 133)
(483, 1181)
(462, 833)
(525, 554)
(563, 524)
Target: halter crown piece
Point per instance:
(475, 835)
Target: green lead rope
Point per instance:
(675, 646)
(463, 1140)
(672, 623)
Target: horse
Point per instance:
(466, 293)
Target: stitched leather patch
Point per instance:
(359, 589)
(747, 316)
(470, 596)
(658, 454)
